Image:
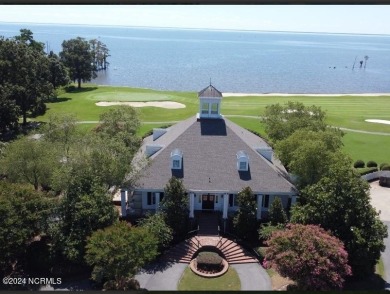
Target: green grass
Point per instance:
(191, 281)
(346, 111)
(380, 268)
(367, 147)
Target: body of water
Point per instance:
(236, 61)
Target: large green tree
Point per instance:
(308, 255)
(59, 75)
(9, 111)
(245, 222)
(30, 161)
(25, 72)
(287, 149)
(100, 54)
(77, 55)
(26, 37)
(24, 214)
(84, 208)
(281, 121)
(118, 252)
(121, 123)
(157, 225)
(340, 202)
(175, 205)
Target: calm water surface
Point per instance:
(251, 62)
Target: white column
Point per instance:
(157, 195)
(123, 202)
(225, 206)
(192, 200)
(293, 200)
(259, 202)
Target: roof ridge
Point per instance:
(211, 87)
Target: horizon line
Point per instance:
(185, 28)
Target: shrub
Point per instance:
(310, 256)
(266, 230)
(372, 164)
(386, 167)
(382, 165)
(358, 164)
(209, 258)
(209, 261)
(367, 170)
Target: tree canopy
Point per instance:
(25, 73)
(85, 208)
(281, 121)
(9, 111)
(340, 202)
(118, 252)
(175, 205)
(308, 255)
(245, 221)
(77, 55)
(24, 214)
(29, 160)
(157, 226)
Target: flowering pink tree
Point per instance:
(308, 255)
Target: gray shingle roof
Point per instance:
(209, 161)
(210, 91)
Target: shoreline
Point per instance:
(309, 95)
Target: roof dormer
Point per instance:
(242, 161)
(176, 159)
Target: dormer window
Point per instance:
(176, 159)
(242, 161)
(243, 165)
(176, 164)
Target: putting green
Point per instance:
(130, 97)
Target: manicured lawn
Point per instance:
(367, 147)
(191, 281)
(346, 111)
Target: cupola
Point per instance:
(209, 102)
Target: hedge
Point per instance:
(359, 164)
(372, 163)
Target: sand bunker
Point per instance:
(162, 104)
(379, 121)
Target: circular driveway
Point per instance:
(166, 276)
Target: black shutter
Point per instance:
(231, 200)
(266, 201)
(149, 198)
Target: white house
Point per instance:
(215, 158)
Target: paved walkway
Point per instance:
(380, 199)
(166, 276)
(253, 277)
(161, 276)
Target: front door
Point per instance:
(208, 201)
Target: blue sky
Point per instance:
(363, 19)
